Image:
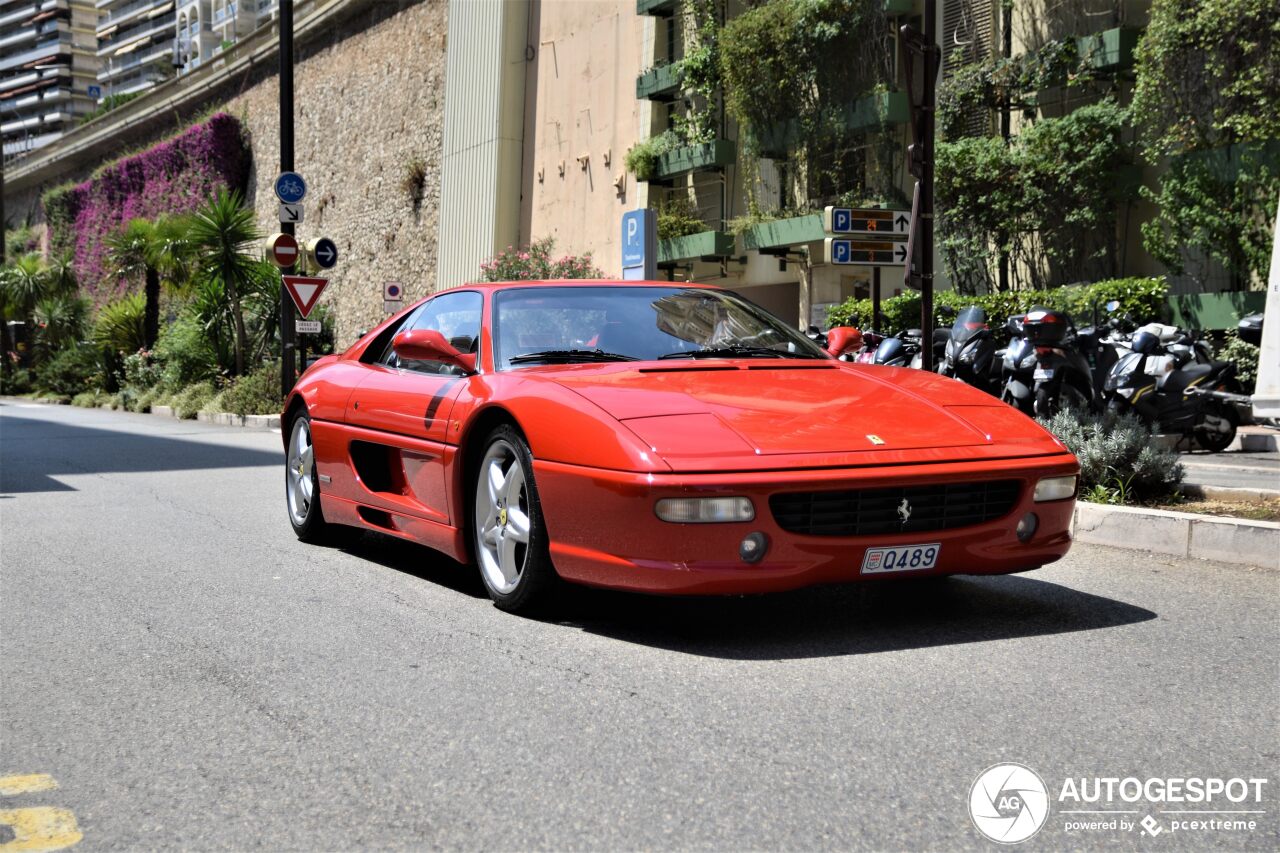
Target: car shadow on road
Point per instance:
(847, 620)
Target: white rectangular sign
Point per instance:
(291, 213)
(307, 327)
(392, 306)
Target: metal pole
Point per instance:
(288, 361)
(875, 299)
(926, 182)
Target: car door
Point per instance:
(402, 411)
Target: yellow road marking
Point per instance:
(39, 829)
(28, 784)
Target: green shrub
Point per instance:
(1245, 355)
(1118, 462)
(256, 393)
(90, 399)
(119, 326)
(192, 399)
(70, 371)
(642, 159)
(15, 380)
(677, 217)
(1144, 299)
(184, 354)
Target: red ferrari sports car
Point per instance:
(663, 437)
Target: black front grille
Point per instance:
(871, 512)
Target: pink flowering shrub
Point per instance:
(173, 177)
(534, 263)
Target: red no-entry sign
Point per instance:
(282, 250)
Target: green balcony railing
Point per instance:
(784, 232)
(706, 244)
(899, 7)
(660, 84)
(692, 158)
(656, 7)
(1110, 50)
(870, 111)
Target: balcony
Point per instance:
(784, 232)
(867, 113)
(1110, 50)
(694, 158)
(657, 7)
(661, 83)
(899, 7)
(707, 244)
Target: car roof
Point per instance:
(575, 282)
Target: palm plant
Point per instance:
(28, 282)
(222, 235)
(135, 255)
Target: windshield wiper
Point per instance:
(566, 356)
(736, 351)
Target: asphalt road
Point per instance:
(193, 677)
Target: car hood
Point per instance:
(776, 412)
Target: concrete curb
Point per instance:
(1230, 494)
(1180, 534)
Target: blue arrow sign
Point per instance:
(290, 187)
(325, 252)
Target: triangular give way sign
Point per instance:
(304, 291)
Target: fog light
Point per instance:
(1027, 527)
(704, 510)
(753, 547)
(1055, 489)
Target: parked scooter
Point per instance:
(1174, 394)
(1063, 375)
(1018, 368)
(901, 350)
(969, 351)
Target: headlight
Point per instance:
(967, 355)
(704, 510)
(1055, 489)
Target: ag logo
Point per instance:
(1008, 803)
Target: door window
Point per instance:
(454, 315)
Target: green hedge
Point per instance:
(1145, 299)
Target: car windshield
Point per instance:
(548, 324)
(970, 322)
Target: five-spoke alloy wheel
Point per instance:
(302, 484)
(510, 539)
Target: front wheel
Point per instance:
(510, 537)
(1217, 429)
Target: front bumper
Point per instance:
(603, 530)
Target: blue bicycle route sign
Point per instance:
(290, 187)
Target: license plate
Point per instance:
(1043, 373)
(901, 558)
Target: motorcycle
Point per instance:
(1018, 367)
(1063, 375)
(901, 350)
(969, 351)
(1174, 394)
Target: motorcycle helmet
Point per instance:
(1144, 342)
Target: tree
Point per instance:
(222, 235)
(1207, 96)
(135, 254)
(35, 293)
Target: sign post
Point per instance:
(288, 362)
(639, 245)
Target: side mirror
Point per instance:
(430, 345)
(1112, 305)
(843, 339)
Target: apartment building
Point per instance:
(135, 44)
(205, 28)
(46, 70)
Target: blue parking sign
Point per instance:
(639, 245)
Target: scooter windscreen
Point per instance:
(889, 349)
(971, 322)
(1123, 371)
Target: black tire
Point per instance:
(306, 517)
(1216, 441)
(1046, 403)
(526, 586)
